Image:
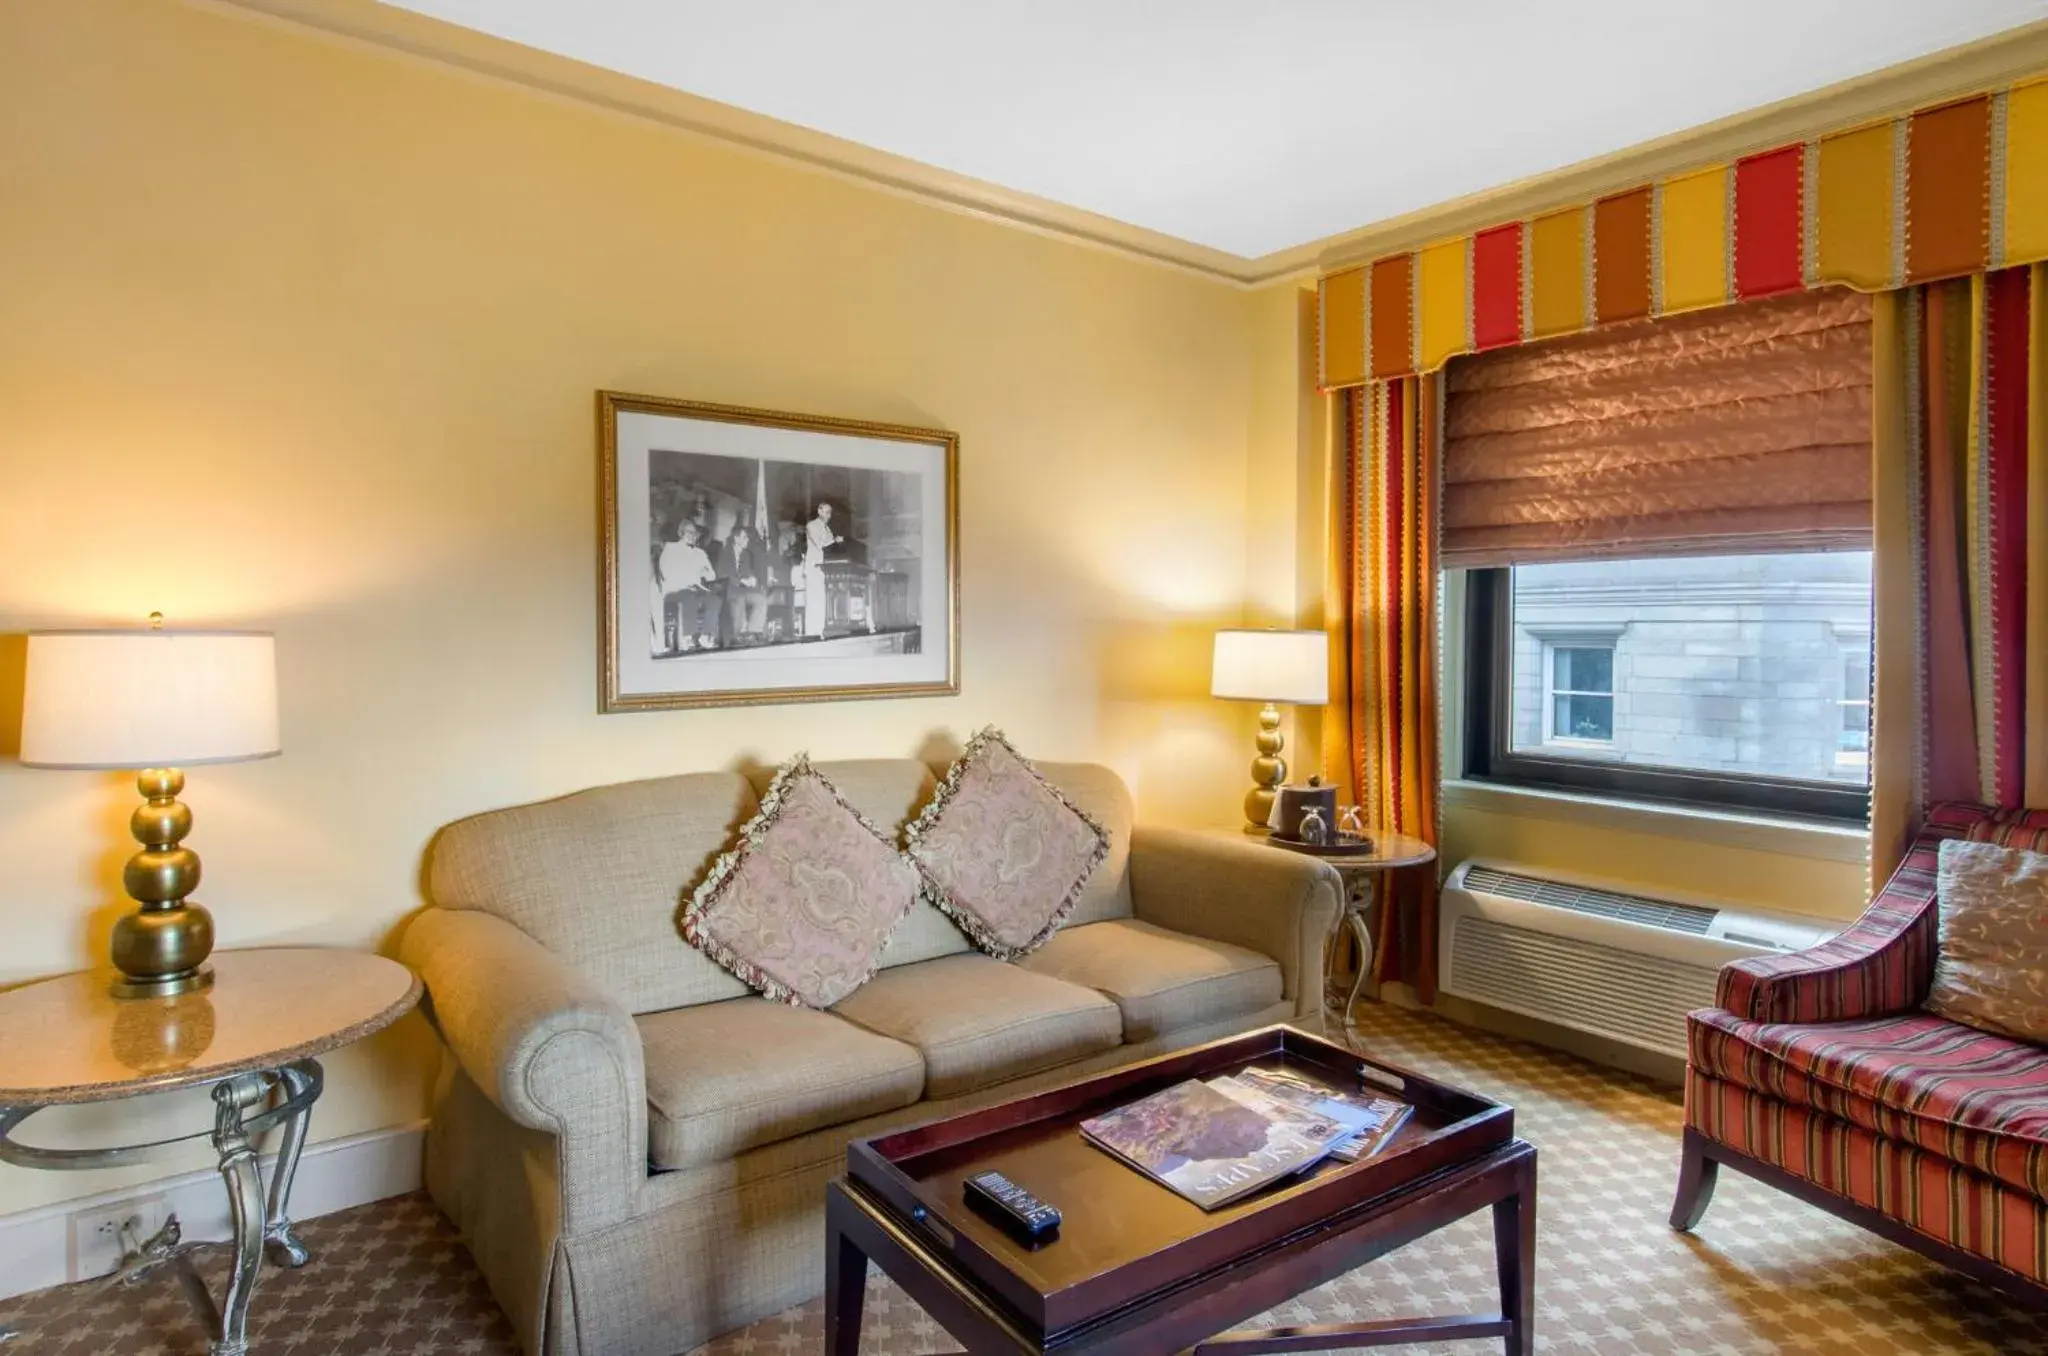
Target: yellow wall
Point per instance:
(1668, 860)
(299, 335)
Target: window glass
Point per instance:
(1723, 664)
(1582, 692)
(1853, 746)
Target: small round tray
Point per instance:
(1343, 845)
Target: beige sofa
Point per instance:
(636, 1147)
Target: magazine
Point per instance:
(1374, 1120)
(1211, 1147)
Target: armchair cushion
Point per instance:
(2008, 828)
(1991, 969)
(1161, 981)
(1978, 1099)
(726, 1077)
(979, 1022)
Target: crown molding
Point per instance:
(389, 29)
(392, 30)
(1948, 74)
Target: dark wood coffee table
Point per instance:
(1137, 1269)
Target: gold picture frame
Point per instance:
(717, 590)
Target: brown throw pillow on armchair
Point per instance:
(801, 908)
(1004, 854)
(1991, 968)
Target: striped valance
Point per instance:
(1938, 193)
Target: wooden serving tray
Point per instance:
(1125, 1237)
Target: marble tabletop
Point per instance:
(1388, 850)
(70, 1040)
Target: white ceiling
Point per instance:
(1242, 126)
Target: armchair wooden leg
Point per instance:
(1696, 1177)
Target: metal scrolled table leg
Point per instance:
(1362, 933)
(232, 1100)
(236, 1117)
(1354, 917)
(294, 1080)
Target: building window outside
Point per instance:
(1580, 706)
(1731, 680)
(1852, 753)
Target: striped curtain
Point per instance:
(1380, 732)
(1960, 497)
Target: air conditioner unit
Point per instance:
(1596, 956)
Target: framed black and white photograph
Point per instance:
(750, 556)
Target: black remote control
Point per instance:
(1020, 1211)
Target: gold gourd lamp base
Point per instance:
(147, 697)
(1270, 668)
(161, 948)
(1269, 771)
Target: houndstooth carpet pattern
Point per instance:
(1764, 1273)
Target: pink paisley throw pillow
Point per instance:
(1003, 852)
(801, 908)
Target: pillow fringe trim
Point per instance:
(941, 899)
(690, 915)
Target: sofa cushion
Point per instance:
(1004, 853)
(1162, 981)
(801, 907)
(1991, 958)
(1964, 1094)
(726, 1077)
(595, 878)
(979, 1021)
(1102, 795)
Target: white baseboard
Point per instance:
(37, 1248)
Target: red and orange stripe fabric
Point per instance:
(1382, 730)
(1939, 193)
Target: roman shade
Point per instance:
(1745, 428)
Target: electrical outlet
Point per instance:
(96, 1242)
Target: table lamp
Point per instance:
(156, 700)
(1270, 667)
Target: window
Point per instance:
(1580, 703)
(1852, 748)
(1740, 681)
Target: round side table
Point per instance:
(1365, 873)
(252, 1036)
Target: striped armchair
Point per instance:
(1819, 1074)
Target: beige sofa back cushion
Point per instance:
(1107, 800)
(597, 877)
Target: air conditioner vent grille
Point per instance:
(1622, 995)
(1654, 913)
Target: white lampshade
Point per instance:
(1272, 666)
(143, 699)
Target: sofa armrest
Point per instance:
(1244, 892)
(550, 1048)
(1878, 966)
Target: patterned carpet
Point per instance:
(1764, 1274)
